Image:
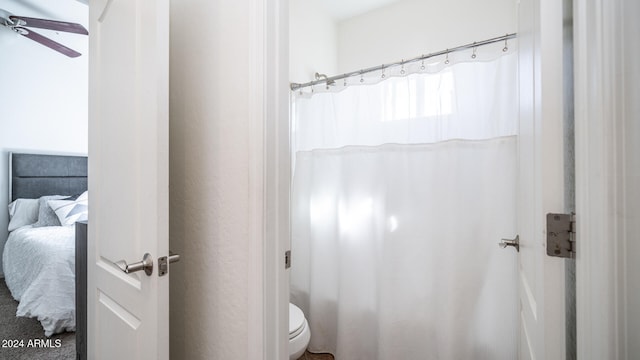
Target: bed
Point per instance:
(39, 255)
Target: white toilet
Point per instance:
(299, 332)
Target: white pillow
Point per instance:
(84, 196)
(46, 215)
(70, 211)
(12, 208)
(23, 212)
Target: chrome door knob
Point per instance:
(511, 242)
(146, 264)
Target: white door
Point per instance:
(541, 178)
(128, 314)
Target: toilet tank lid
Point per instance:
(296, 318)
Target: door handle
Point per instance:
(146, 264)
(511, 242)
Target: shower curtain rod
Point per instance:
(332, 79)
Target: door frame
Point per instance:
(605, 48)
(271, 41)
(270, 177)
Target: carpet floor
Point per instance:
(20, 336)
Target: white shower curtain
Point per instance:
(401, 192)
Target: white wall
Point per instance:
(312, 41)
(410, 28)
(43, 94)
(401, 30)
(209, 178)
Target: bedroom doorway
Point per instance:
(39, 292)
(45, 112)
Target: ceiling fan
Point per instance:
(19, 24)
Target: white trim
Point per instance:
(601, 123)
(271, 46)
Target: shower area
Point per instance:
(404, 182)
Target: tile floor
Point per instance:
(309, 356)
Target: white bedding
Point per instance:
(39, 269)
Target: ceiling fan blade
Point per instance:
(49, 24)
(47, 42)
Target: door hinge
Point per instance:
(561, 235)
(287, 259)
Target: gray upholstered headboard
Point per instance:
(32, 175)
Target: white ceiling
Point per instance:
(344, 9)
